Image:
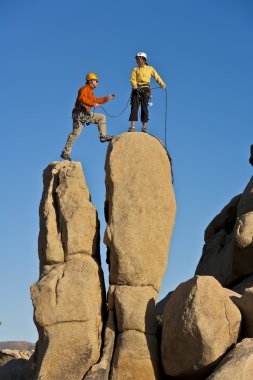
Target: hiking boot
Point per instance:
(106, 138)
(132, 129)
(65, 156)
(144, 130)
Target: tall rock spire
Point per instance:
(140, 213)
(68, 297)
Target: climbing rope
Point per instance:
(165, 115)
(168, 155)
(107, 113)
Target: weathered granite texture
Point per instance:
(228, 250)
(140, 211)
(200, 323)
(68, 298)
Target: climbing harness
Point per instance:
(141, 90)
(80, 113)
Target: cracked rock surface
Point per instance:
(68, 298)
(200, 324)
(228, 250)
(237, 364)
(140, 211)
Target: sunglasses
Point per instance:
(94, 80)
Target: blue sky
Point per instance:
(203, 51)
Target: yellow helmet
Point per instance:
(91, 76)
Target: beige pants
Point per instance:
(96, 118)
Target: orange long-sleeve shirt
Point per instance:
(85, 96)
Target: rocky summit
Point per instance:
(205, 328)
(80, 336)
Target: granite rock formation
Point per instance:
(245, 304)
(75, 341)
(228, 251)
(237, 364)
(16, 364)
(7, 355)
(194, 317)
(205, 320)
(140, 212)
(68, 298)
(140, 208)
(201, 323)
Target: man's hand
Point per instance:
(96, 105)
(164, 86)
(111, 96)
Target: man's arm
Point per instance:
(87, 97)
(111, 96)
(101, 100)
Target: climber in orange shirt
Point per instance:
(81, 114)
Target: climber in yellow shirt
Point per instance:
(140, 81)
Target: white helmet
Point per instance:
(141, 54)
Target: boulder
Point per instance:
(16, 365)
(135, 308)
(194, 316)
(77, 216)
(67, 350)
(217, 258)
(8, 354)
(243, 250)
(237, 364)
(225, 220)
(68, 315)
(217, 255)
(140, 209)
(245, 304)
(240, 287)
(68, 220)
(228, 250)
(71, 291)
(245, 203)
(136, 357)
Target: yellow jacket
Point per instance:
(142, 75)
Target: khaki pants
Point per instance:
(78, 124)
